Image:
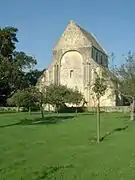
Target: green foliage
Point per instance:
(26, 98)
(11, 79)
(99, 86)
(23, 62)
(29, 98)
(15, 67)
(57, 95)
(32, 76)
(7, 41)
(16, 99)
(75, 97)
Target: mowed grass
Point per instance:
(63, 147)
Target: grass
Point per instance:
(63, 147)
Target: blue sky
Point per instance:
(41, 22)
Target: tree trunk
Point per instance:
(133, 110)
(29, 110)
(76, 110)
(42, 112)
(98, 122)
(57, 109)
(18, 108)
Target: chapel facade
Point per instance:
(76, 56)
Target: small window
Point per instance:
(101, 59)
(106, 61)
(71, 73)
(92, 53)
(97, 56)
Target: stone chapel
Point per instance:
(76, 56)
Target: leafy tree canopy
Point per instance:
(16, 68)
(8, 39)
(59, 94)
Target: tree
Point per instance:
(75, 98)
(7, 46)
(12, 74)
(32, 76)
(42, 98)
(22, 61)
(13, 65)
(124, 78)
(7, 41)
(99, 88)
(57, 95)
(10, 79)
(16, 100)
(28, 98)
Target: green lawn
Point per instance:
(63, 147)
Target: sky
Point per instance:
(41, 23)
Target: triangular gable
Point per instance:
(75, 36)
(72, 37)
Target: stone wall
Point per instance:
(71, 72)
(123, 109)
(11, 109)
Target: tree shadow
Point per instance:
(9, 125)
(8, 112)
(47, 120)
(113, 131)
(49, 171)
(87, 113)
(123, 116)
(38, 121)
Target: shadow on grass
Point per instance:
(87, 113)
(37, 121)
(126, 116)
(112, 132)
(109, 133)
(8, 125)
(49, 171)
(47, 120)
(8, 112)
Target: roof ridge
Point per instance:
(94, 36)
(86, 33)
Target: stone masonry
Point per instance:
(73, 65)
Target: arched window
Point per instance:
(71, 73)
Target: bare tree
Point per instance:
(124, 79)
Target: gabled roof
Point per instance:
(72, 26)
(93, 40)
